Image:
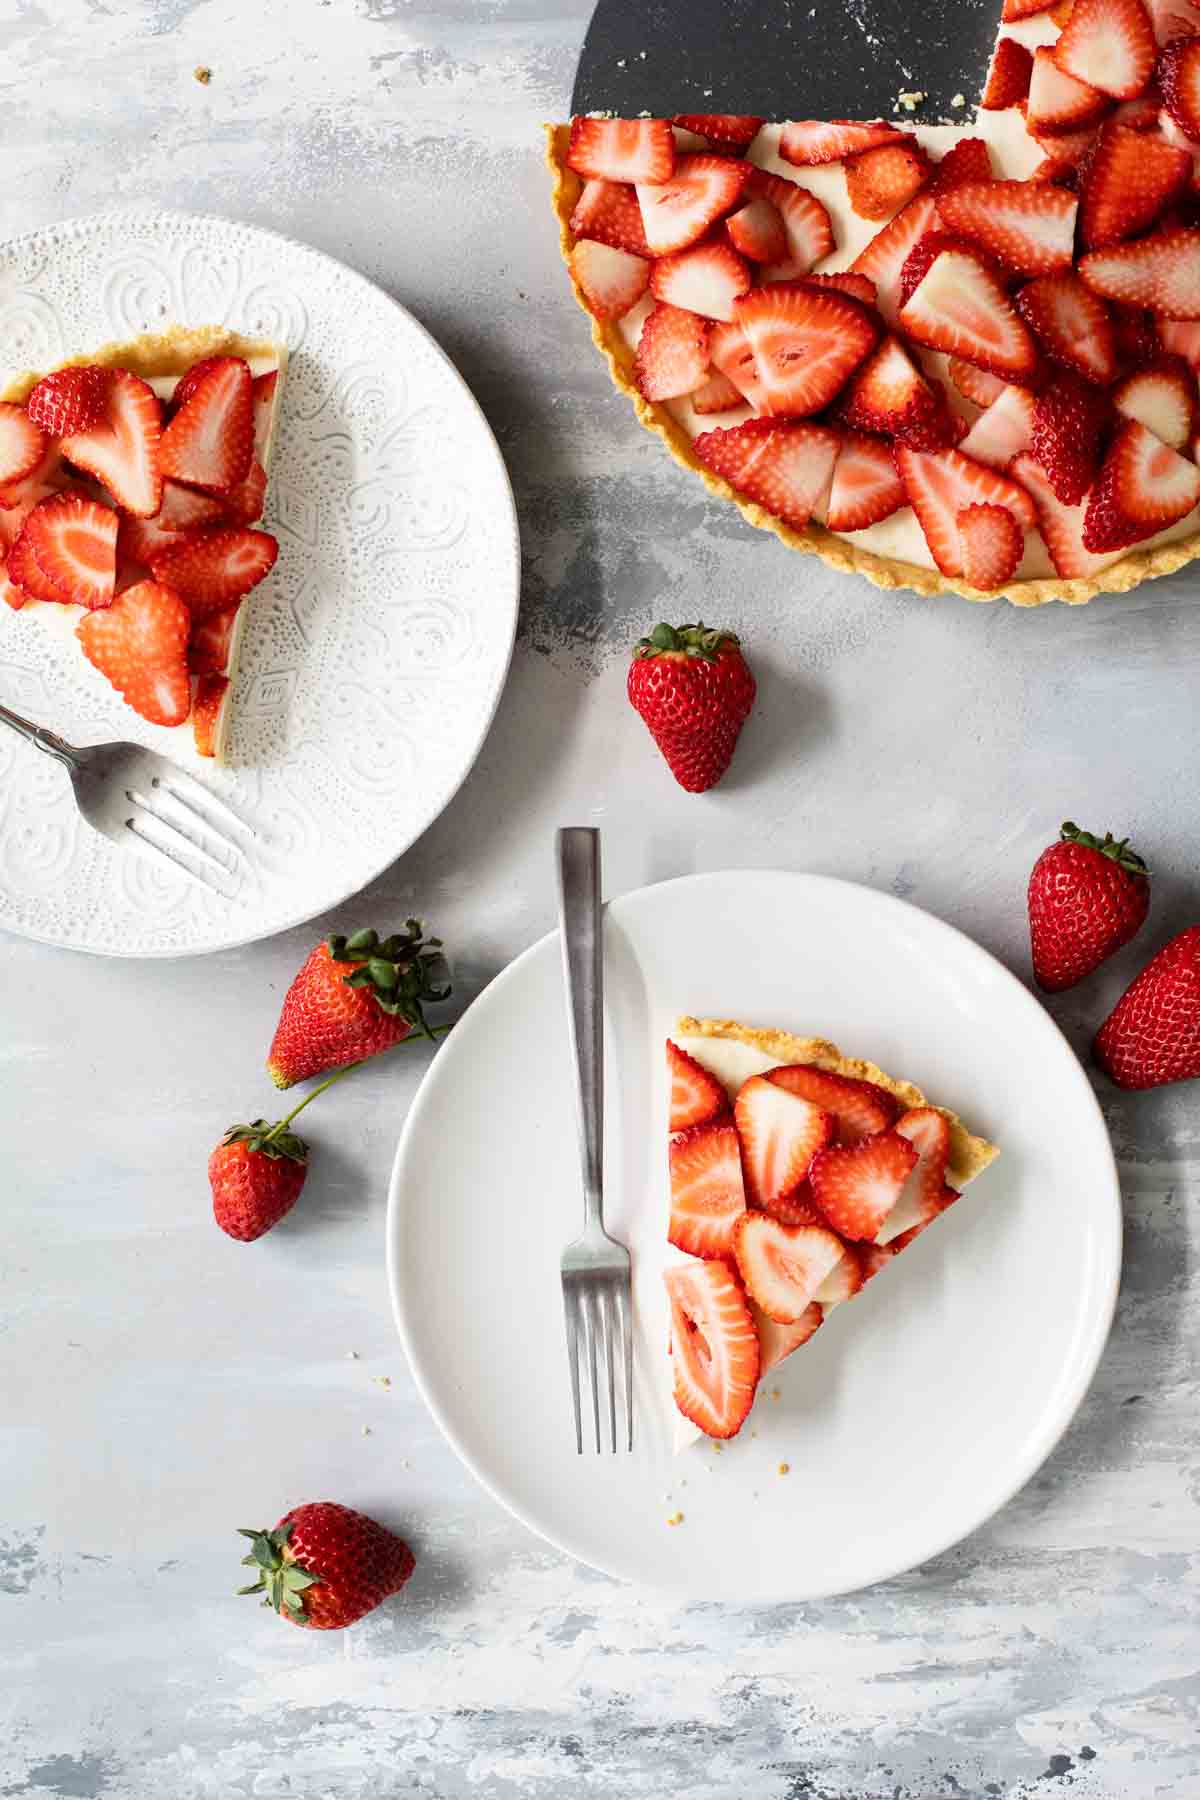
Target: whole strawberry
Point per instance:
(256, 1173)
(325, 1565)
(1152, 1034)
(694, 689)
(1087, 897)
(353, 998)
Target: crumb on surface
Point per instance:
(784, 1469)
(910, 102)
(675, 1518)
(353, 1355)
(620, 62)
(775, 1392)
(958, 100)
(717, 1447)
(384, 1381)
(366, 1431)
(203, 74)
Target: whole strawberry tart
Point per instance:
(949, 358)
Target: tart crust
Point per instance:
(969, 1155)
(838, 552)
(157, 353)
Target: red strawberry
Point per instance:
(265, 388)
(866, 487)
(873, 1258)
(856, 1186)
(1143, 487)
(353, 998)
(992, 546)
(325, 1565)
(1129, 180)
(1060, 171)
(756, 230)
(243, 504)
(925, 253)
(1160, 272)
(210, 439)
(183, 509)
(1072, 324)
(1162, 397)
(139, 644)
(975, 384)
(1152, 1035)
(805, 343)
(706, 279)
(941, 484)
(206, 713)
(778, 1341)
(844, 1280)
(714, 1347)
(1110, 45)
(672, 353)
(780, 1133)
(1008, 77)
(785, 468)
(887, 394)
(256, 1173)
(214, 567)
(1180, 337)
(1061, 525)
(210, 640)
(924, 1194)
(961, 308)
(806, 222)
(696, 1096)
(1003, 430)
(1141, 114)
(73, 540)
(1023, 9)
(22, 568)
(69, 400)
(858, 287)
(694, 690)
(1173, 19)
(680, 209)
(809, 141)
(716, 395)
(629, 150)
(1028, 228)
(733, 131)
(783, 1266)
(1060, 105)
(12, 595)
(707, 1196)
(608, 212)
(881, 181)
(1072, 147)
(121, 448)
(1069, 419)
(885, 256)
(732, 357)
(859, 1108)
(23, 444)
(968, 160)
(1087, 897)
(610, 281)
(188, 382)
(1179, 78)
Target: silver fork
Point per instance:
(597, 1295)
(124, 791)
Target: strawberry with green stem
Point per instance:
(325, 1565)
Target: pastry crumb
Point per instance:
(958, 100)
(717, 1449)
(910, 102)
(784, 1469)
(384, 1381)
(620, 62)
(353, 1355)
(203, 74)
(675, 1518)
(366, 1431)
(775, 1392)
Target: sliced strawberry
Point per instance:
(1061, 525)
(940, 484)
(672, 353)
(215, 567)
(780, 1134)
(69, 400)
(966, 161)
(206, 712)
(608, 213)
(881, 181)
(889, 394)
(1058, 104)
(1128, 182)
(809, 141)
(264, 391)
(873, 1258)
(1143, 487)
(696, 1096)
(714, 1346)
(121, 448)
(866, 487)
(210, 439)
(1161, 397)
(934, 1207)
(23, 444)
(23, 569)
(925, 253)
(732, 356)
(183, 509)
(716, 395)
(885, 256)
(859, 1108)
(858, 287)
(1023, 9)
(211, 640)
(680, 210)
(1135, 336)
(1069, 419)
(928, 1131)
(1181, 337)
(139, 644)
(707, 1196)
(1059, 171)
(629, 150)
(1179, 78)
(806, 343)
(844, 1280)
(756, 230)
(706, 279)
(856, 1186)
(778, 1341)
(1160, 272)
(806, 222)
(1072, 325)
(1141, 114)
(975, 384)
(611, 281)
(74, 543)
(1003, 429)
(188, 382)
(1068, 146)
(733, 131)
(785, 468)
(1173, 19)
(1008, 77)
(1110, 45)
(783, 1266)
(992, 546)
(11, 593)
(1028, 228)
(961, 308)
(244, 504)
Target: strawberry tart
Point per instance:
(949, 358)
(797, 1175)
(132, 481)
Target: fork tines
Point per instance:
(596, 1305)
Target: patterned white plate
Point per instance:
(375, 652)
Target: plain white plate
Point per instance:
(919, 1408)
(374, 653)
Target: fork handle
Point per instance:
(583, 965)
(37, 734)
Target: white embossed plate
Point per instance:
(375, 652)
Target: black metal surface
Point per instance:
(784, 59)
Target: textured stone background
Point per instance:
(159, 1386)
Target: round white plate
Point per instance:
(375, 652)
(919, 1408)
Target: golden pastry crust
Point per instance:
(838, 552)
(969, 1155)
(156, 353)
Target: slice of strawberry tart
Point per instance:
(797, 1175)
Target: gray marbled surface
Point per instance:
(159, 1385)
